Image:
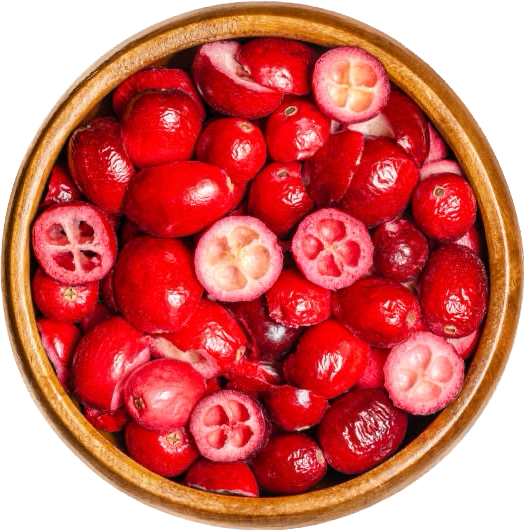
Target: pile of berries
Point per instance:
(259, 270)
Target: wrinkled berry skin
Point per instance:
(379, 310)
(60, 188)
(360, 430)
(155, 284)
(453, 291)
(290, 463)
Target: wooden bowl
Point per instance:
(424, 449)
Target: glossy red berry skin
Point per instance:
(360, 430)
(296, 130)
(328, 360)
(278, 197)
(60, 187)
(235, 145)
(290, 463)
(106, 420)
(99, 314)
(444, 206)
(379, 310)
(453, 291)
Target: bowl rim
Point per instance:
(462, 134)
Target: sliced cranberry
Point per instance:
(350, 85)
(379, 125)
(444, 206)
(373, 374)
(438, 150)
(436, 167)
(327, 174)
(382, 184)
(294, 301)
(278, 197)
(58, 301)
(162, 301)
(159, 127)
(225, 84)
(99, 164)
(235, 145)
(60, 188)
(296, 130)
(290, 463)
(103, 359)
(238, 259)
(74, 243)
(181, 198)
(360, 430)
(110, 421)
(423, 374)
(228, 426)
(269, 373)
(465, 346)
(328, 361)
(227, 478)
(332, 249)
(453, 291)
(161, 394)
(379, 310)
(282, 64)
(159, 78)
(168, 455)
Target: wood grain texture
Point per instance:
(155, 46)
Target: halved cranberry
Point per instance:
(237, 259)
(104, 420)
(74, 243)
(228, 426)
(465, 346)
(350, 85)
(436, 167)
(269, 373)
(438, 149)
(332, 249)
(60, 188)
(379, 125)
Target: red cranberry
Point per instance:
(60, 188)
(99, 314)
(373, 374)
(436, 167)
(438, 149)
(107, 290)
(465, 346)
(109, 421)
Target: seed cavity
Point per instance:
(56, 235)
(255, 261)
(230, 278)
(241, 236)
(311, 246)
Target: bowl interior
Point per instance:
(429, 438)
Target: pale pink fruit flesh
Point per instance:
(437, 146)
(423, 374)
(440, 166)
(379, 125)
(350, 85)
(332, 248)
(227, 426)
(238, 259)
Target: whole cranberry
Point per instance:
(290, 463)
(328, 360)
(235, 145)
(361, 429)
(296, 130)
(60, 187)
(379, 310)
(401, 250)
(278, 198)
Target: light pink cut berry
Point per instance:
(440, 166)
(379, 125)
(423, 374)
(350, 85)
(438, 149)
(238, 259)
(228, 426)
(332, 249)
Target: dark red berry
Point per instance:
(99, 314)
(373, 374)
(110, 421)
(60, 187)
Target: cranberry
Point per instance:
(103, 359)
(109, 421)
(373, 374)
(296, 130)
(58, 301)
(99, 164)
(328, 360)
(382, 184)
(349, 84)
(290, 463)
(472, 240)
(235, 145)
(74, 243)
(379, 125)
(360, 430)
(268, 373)
(278, 197)
(161, 301)
(438, 149)
(228, 478)
(380, 311)
(453, 291)
(436, 167)
(228, 426)
(401, 250)
(444, 206)
(225, 84)
(294, 301)
(465, 346)
(423, 374)
(238, 259)
(282, 64)
(60, 188)
(168, 455)
(99, 314)
(107, 290)
(159, 127)
(161, 394)
(332, 249)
